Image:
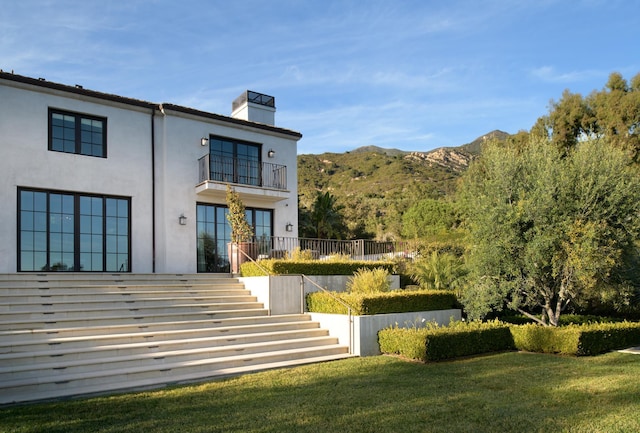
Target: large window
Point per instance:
(77, 133)
(214, 233)
(234, 161)
(60, 231)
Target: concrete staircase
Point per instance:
(64, 335)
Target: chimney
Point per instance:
(255, 107)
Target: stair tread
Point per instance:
(152, 324)
(61, 319)
(154, 383)
(146, 334)
(170, 366)
(163, 354)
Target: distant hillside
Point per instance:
(474, 147)
(376, 185)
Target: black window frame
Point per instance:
(78, 117)
(77, 233)
(232, 166)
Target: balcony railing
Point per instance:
(242, 171)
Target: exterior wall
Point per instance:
(364, 338)
(137, 133)
(27, 162)
(178, 149)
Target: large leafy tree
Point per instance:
(612, 113)
(428, 217)
(549, 227)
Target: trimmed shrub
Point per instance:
(381, 303)
(440, 343)
(546, 339)
(369, 281)
(578, 340)
(314, 267)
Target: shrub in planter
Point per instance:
(310, 267)
(381, 303)
(369, 281)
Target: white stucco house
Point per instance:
(96, 182)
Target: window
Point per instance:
(77, 133)
(60, 231)
(234, 161)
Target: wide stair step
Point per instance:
(65, 335)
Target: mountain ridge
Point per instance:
(376, 186)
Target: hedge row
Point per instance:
(381, 303)
(453, 341)
(460, 339)
(315, 267)
(578, 340)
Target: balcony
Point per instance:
(260, 180)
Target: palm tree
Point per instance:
(325, 220)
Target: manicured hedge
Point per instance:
(460, 339)
(382, 303)
(579, 340)
(453, 341)
(311, 267)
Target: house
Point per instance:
(95, 182)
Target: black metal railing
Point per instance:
(323, 249)
(242, 172)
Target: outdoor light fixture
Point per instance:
(182, 220)
(271, 153)
(288, 227)
(204, 141)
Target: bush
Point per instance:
(310, 267)
(565, 319)
(546, 339)
(438, 343)
(381, 303)
(369, 281)
(578, 340)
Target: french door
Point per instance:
(65, 231)
(214, 233)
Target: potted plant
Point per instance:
(241, 231)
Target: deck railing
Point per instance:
(322, 249)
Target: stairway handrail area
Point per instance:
(340, 301)
(304, 277)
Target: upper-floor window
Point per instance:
(77, 133)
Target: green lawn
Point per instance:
(508, 392)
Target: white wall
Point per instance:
(178, 149)
(26, 162)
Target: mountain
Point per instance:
(376, 186)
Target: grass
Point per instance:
(507, 392)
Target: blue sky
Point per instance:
(413, 75)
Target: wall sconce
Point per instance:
(204, 141)
(288, 227)
(271, 153)
(182, 220)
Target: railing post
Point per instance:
(301, 294)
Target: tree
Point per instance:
(549, 227)
(428, 217)
(241, 231)
(324, 220)
(613, 113)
